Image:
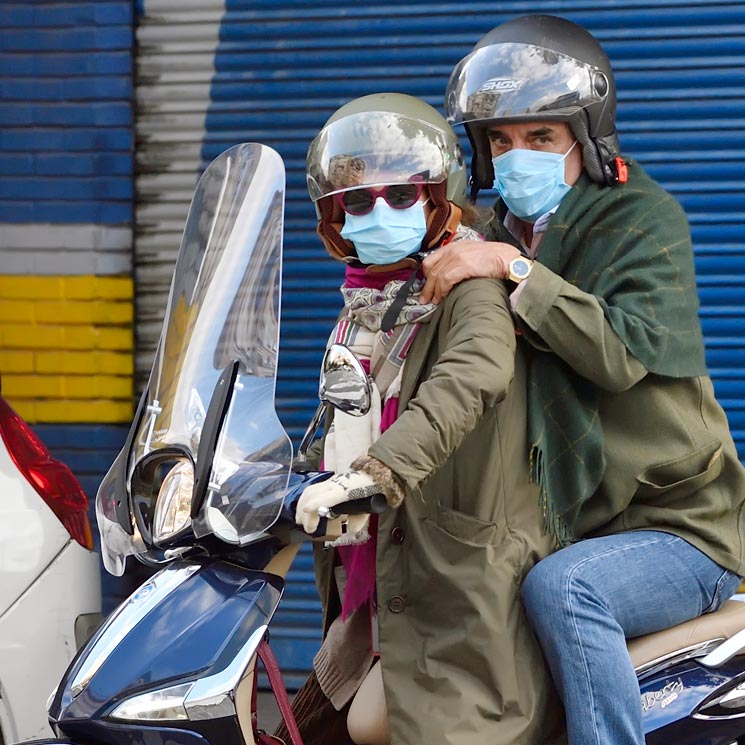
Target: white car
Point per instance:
(50, 589)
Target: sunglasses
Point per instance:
(361, 201)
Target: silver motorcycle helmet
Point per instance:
(532, 68)
(382, 139)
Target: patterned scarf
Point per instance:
(360, 329)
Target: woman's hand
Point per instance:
(461, 260)
(341, 487)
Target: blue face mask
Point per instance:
(530, 182)
(384, 235)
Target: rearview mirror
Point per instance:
(345, 385)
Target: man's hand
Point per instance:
(461, 260)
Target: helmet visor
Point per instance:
(521, 81)
(375, 148)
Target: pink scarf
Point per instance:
(359, 560)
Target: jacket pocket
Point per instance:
(682, 476)
(467, 528)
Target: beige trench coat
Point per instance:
(460, 663)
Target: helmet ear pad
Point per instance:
(442, 220)
(330, 223)
(591, 156)
(482, 171)
(599, 152)
(443, 217)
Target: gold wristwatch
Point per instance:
(520, 269)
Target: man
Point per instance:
(639, 477)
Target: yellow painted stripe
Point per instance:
(64, 363)
(86, 287)
(67, 386)
(67, 347)
(16, 362)
(37, 336)
(74, 412)
(78, 363)
(72, 312)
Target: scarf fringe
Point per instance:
(553, 522)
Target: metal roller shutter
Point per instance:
(213, 74)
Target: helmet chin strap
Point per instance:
(409, 262)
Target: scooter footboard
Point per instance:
(170, 658)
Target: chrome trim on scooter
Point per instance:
(214, 697)
(718, 717)
(725, 651)
(679, 655)
(733, 699)
(125, 617)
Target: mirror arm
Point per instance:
(310, 433)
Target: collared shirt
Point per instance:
(515, 226)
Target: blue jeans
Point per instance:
(586, 599)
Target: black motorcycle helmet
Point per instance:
(531, 68)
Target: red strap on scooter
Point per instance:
(280, 692)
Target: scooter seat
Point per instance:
(722, 624)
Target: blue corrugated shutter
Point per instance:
(66, 117)
(283, 66)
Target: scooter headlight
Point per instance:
(173, 505)
(167, 704)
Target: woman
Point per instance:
(438, 576)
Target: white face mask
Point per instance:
(386, 235)
(530, 182)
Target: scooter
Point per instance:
(205, 488)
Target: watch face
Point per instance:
(520, 268)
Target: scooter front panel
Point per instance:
(194, 633)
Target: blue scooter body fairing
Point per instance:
(190, 623)
(671, 697)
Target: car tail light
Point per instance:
(51, 478)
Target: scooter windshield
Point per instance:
(209, 403)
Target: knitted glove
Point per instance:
(388, 482)
(341, 487)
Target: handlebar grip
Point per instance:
(374, 504)
(321, 529)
